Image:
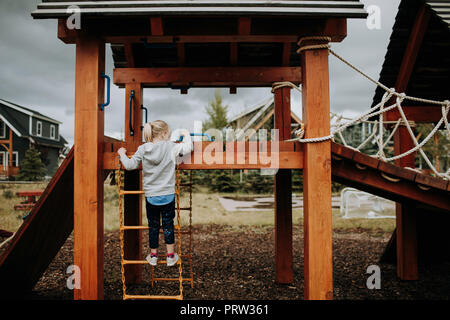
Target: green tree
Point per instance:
(32, 167)
(217, 113)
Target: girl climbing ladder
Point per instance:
(158, 157)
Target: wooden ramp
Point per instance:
(41, 235)
(389, 181)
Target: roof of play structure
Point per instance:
(204, 33)
(431, 73)
(343, 8)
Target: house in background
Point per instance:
(260, 116)
(20, 128)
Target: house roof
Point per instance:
(28, 111)
(21, 129)
(267, 105)
(343, 8)
(431, 74)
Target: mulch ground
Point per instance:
(239, 264)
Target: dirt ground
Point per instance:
(230, 263)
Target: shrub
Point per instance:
(8, 194)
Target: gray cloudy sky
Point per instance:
(37, 71)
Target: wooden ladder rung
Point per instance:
(171, 279)
(135, 262)
(151, 297)
(124, 192)
(165, 261)
(186, 209)
(134, 228)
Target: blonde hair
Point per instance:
(155, 129)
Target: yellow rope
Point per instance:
(121, 194)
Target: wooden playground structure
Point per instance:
(192, 44)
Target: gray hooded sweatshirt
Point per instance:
(158, 164)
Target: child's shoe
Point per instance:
(152, 259)
(172, 259)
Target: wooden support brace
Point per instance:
(283, 194)
(218, 155)
(204, 77)
(406, 224)
(133, 181)
(88, 171)
(317, 177)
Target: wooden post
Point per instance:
(133, 181)
(317, 177)
(406, 222)
(283, 193)
(88, 166)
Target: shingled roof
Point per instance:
(20, 125)
(343, 8)
(431, 74)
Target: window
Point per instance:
(39, 129)
(52, 132)
(2, 129)
(4, 159)
(15, 159)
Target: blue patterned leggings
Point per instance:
(155, 214)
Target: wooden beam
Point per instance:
(284, 272)
(88, 171)
(405, 217)
(156, 26)
(248, 155)
(128, 47)
(181, 52)
(244, 26)
(370, 180)
(233, 62)
(209, 30)
(220, 76)
(286, 60)
(406, 222)
(64, 34)
(317, 177)
(412, 49)
(133, 181)
(423, 114)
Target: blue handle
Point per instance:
(131, 113)
(198, 135)
(108, 91)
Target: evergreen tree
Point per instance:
(224, 181)
(217, 113)
(32, 167)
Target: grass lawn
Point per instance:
(207, 210)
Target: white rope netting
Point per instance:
(340, 123)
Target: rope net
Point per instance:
(379, 136)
